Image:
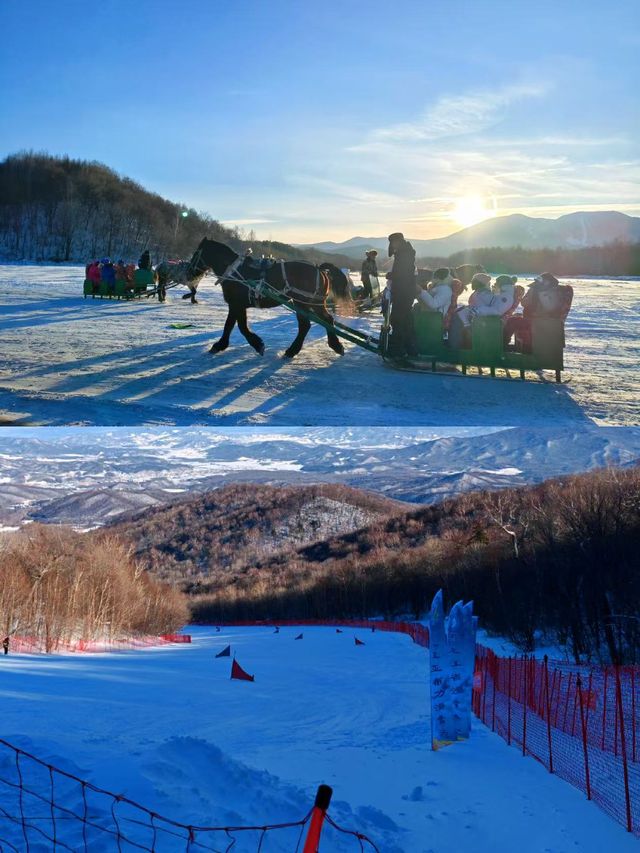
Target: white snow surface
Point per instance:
(168, 728)
(64, 359)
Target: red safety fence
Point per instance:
(176, 638)
(33, 645)
(418, 633)
(581, 722)
(44, 807)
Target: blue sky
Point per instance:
(310, 121)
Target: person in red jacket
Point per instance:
(94, 275)
(546, 297)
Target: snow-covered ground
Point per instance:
(168, 728)
(64, 359)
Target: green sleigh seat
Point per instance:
(487, 346)
(142, 279)
(121, 289)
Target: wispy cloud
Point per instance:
(454, 115)
(410, 175)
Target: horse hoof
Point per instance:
(260, 349)
(337, 348)
(217, 348)
(288, 354)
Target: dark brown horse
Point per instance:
(247, 283)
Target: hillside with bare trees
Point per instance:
(223, 532)
(556, 560)
(59, 586)
(61, 209)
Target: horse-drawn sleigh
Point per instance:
(142, 284)
(304, 289)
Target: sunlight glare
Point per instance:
(470, 210)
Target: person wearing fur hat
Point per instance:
(403, 293)
(438, 295)
(369, 268)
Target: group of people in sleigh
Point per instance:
(502, 297)
(107, 271)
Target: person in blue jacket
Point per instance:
(108, 274)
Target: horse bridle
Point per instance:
(194, 262)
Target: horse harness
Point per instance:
(259, 287)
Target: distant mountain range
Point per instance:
(88, 478)
(573, 231)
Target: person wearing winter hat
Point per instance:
(369, 268)
(546, 297)
(493, 301)
(439, 294)
(479, 303)
(543, 298)
(93, 274)
(402, 283)
(108, 274)
(504, 282)
(481, 281)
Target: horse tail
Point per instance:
(340, 284)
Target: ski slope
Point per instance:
(64, 359)
(169, 729)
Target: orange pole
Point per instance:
(323, 798)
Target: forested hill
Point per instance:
(58, 209)
(233, 528)
(558, 559)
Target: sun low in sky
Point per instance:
(353, 121)
(471, 209)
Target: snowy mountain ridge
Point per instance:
(87, 477)
(571, 231)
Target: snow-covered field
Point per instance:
(64, 359)
(168, 728)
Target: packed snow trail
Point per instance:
(64, 359)
(168, 728)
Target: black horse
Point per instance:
(306, 286)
